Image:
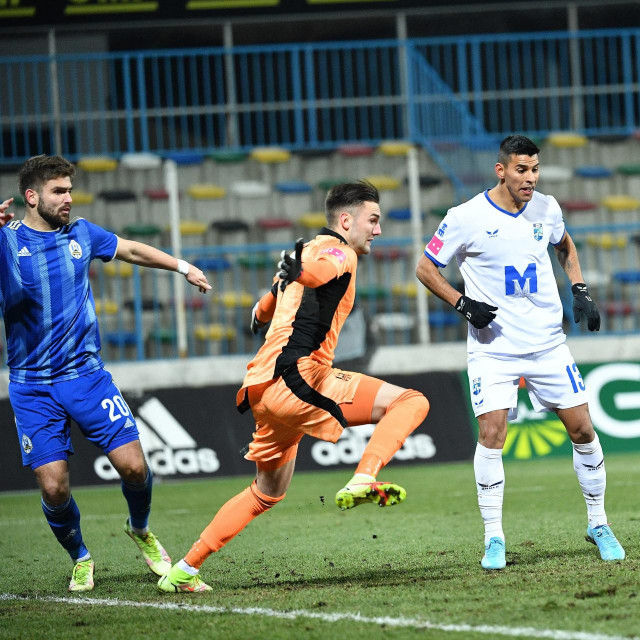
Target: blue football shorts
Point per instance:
(44, 412)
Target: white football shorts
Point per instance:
(551, 376)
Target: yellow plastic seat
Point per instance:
(235, 299)
(270, 155)
(607, 241)
(620, 203)
(407, 289)
(82, 198)
(313, 220)
(395, 148)
(214, 331)
(567, 140)
(384, 183)
(118, 268)
(109, 307)
(95, 164)
(191, 228)
(206, 191)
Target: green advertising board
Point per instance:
(614, 404)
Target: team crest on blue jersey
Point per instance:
(537, 230)
(441, 229)
(477, 386)
(27, 445)
(75, 249)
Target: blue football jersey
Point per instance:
(46, 299)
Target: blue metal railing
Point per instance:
(321, 94)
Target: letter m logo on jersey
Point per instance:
(516, 284)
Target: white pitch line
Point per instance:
(417, 623)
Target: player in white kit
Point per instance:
(500, 240)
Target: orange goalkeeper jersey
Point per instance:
(307, 321)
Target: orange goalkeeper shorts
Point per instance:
(307, 399)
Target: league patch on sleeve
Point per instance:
(435, 245)
(336, 253)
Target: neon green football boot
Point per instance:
(82, 576)
(361, 490)
(152, 551)
(179, 581)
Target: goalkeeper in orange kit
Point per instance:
(292, 388)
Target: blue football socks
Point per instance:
(64, 521)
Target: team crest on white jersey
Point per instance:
(477, 385)
(27, 445)
(537, 230)
(75, 249)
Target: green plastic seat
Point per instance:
(165, 336)
(228, 157)
(629, 169)
(327, 183)
(142, 230)
(372, 292)
(257, 262)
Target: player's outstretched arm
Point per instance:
(4, 215)
(145, 255)
(583, 304)
(479, 314)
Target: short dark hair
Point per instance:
(516, 145)
(350, 196)
(38, 170)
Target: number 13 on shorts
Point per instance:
(575, 378)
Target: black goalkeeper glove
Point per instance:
(583, 305)
(290, 265)
(256, 325)
(479, 314)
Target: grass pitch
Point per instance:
(306, 569)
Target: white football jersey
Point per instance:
(504, 261)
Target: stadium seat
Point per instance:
(621, 208)
(230, 232)
(628, 178)
(190, 167)
(275, 230)
(95, 173)
(388, 187)
(208, 202)
(228, 167)
(556, 180)
(119, 207)
(580, 212)
(354, 160)
(292, 196)
(592, 182)
(271, 164)
(312, 163)
(250, 200)
(139, 169)
(310, 223)
(391, 158)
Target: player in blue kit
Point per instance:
(500, 240)
(53, 344)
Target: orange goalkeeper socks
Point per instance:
(232, 518)
(403, 415)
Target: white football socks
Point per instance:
(588, 461)
(489, 471)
